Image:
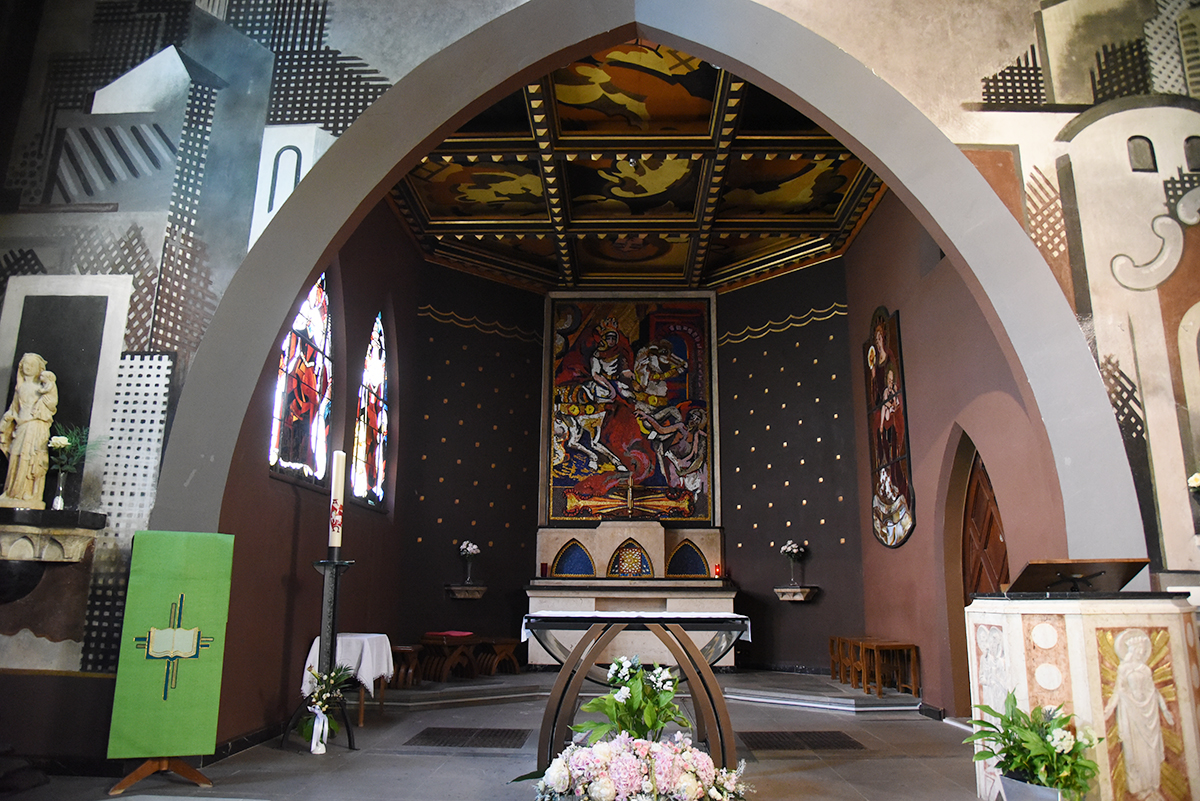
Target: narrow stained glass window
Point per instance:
(303, 392)
(371, 425)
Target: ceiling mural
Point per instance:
(637, 166)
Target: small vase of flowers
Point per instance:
(68, 448)
(468, 551)
(795, 552)
(1040, 747)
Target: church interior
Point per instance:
(626, 295)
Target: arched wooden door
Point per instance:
(985, 555)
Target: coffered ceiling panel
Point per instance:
(638, 166)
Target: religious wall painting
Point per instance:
(303, 392)
(630, 427)
(1142, 730)
(369, 467)
(893, 507)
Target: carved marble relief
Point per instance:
(1141, 715)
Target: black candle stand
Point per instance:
(331, 567)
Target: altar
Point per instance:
(629, 567)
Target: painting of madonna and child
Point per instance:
(631, 426)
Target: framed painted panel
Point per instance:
(630, 416)
(893, 504)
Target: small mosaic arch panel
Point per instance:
(573, 561)
(687, 561)
(630, 560)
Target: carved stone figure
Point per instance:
(25, 432)
(1139, 707)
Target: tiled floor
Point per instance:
(904, 755)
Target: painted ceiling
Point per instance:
(639, 167)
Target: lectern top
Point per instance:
(1077, 575)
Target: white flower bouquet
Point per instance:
(629, 769)
(793, 551)
(468, 550)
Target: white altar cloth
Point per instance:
(684, 617)
(368, 655)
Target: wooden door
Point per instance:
(985, 556)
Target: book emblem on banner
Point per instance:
(172, 644)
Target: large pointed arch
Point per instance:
(1024, 306)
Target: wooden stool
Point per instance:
(446, 652)
(408, 665)
(860, 658)
(498, 653)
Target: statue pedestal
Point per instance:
(1125, 664)
(35, 535)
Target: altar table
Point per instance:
(600, 629)
(369, 656)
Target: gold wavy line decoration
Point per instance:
(773, 327)
(497, 328)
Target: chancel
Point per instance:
(627, 297)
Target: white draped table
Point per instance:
(368, 655)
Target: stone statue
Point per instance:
(25, 432)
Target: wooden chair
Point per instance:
(408, 665)
(446, 652)
(497, 654)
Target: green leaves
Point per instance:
(1038, 747)
(641, 703)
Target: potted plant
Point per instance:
(1038, 753)
(317, 725)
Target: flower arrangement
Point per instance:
(69, 446)
(793, 551)
(1038, 747)
(1194, 482)
(468, 550)
(632, 769)
(317, 725)
(641, 702)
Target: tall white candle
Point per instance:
(338, 482)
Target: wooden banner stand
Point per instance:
(157, 765)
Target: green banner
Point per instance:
(172, 645)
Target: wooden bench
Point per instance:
(446, 652)
(497, 654)
(870, 662)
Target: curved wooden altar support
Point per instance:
(712, 715)
(157, 764)
(560, 708)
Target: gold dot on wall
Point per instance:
(460, 422)
(801, 461)
(816, 400)
(508, 486)
(476, 444)
(472, 522)
(789, 524)
(835, 416)
(770, 505)
(490, 543)
(420, 497)
(445, 400)
(751, 411)
(749, 375)
(783, 406)
(755, 525)
(766, 390)
(476, 483)
(818, 439)
(820, 479)
(456, 501)
(739, 506)
(493, 465)
(752, 449)
(735, 397)
(491, 504)
(739, 545)
(423, 457)
(838, 457)
(418, 539)
(440, 520)
(814, 361)
(734, 360)
(428, 378)
(822, 521)
(481, 368)
(496, 390)
(737, 469)
(771, 544)
(764, 353)
(839, 497)
(753, 486)
(443, 439)
(441, 479)
(785, 443)
(800, 422)
(495, 428)
(804, 502)
(787, 483)
(736, 432)
(833, 377)
(431, 339)
(458, 461)
(426, 417)
(768, 426)
(462, 383)
(768, 465)
(447, 361)
(464, 347)
(781, 369)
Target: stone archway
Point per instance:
(1024, 306)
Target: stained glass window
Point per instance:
(303, 392)
(371, 425)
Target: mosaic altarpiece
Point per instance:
(630, 407)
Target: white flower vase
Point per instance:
(792, 574)
(469, 580)
(58, 503)
(1017, 790)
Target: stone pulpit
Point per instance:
(1125, 663)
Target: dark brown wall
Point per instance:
(787, 457)
(960, 379)
(464, 407)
